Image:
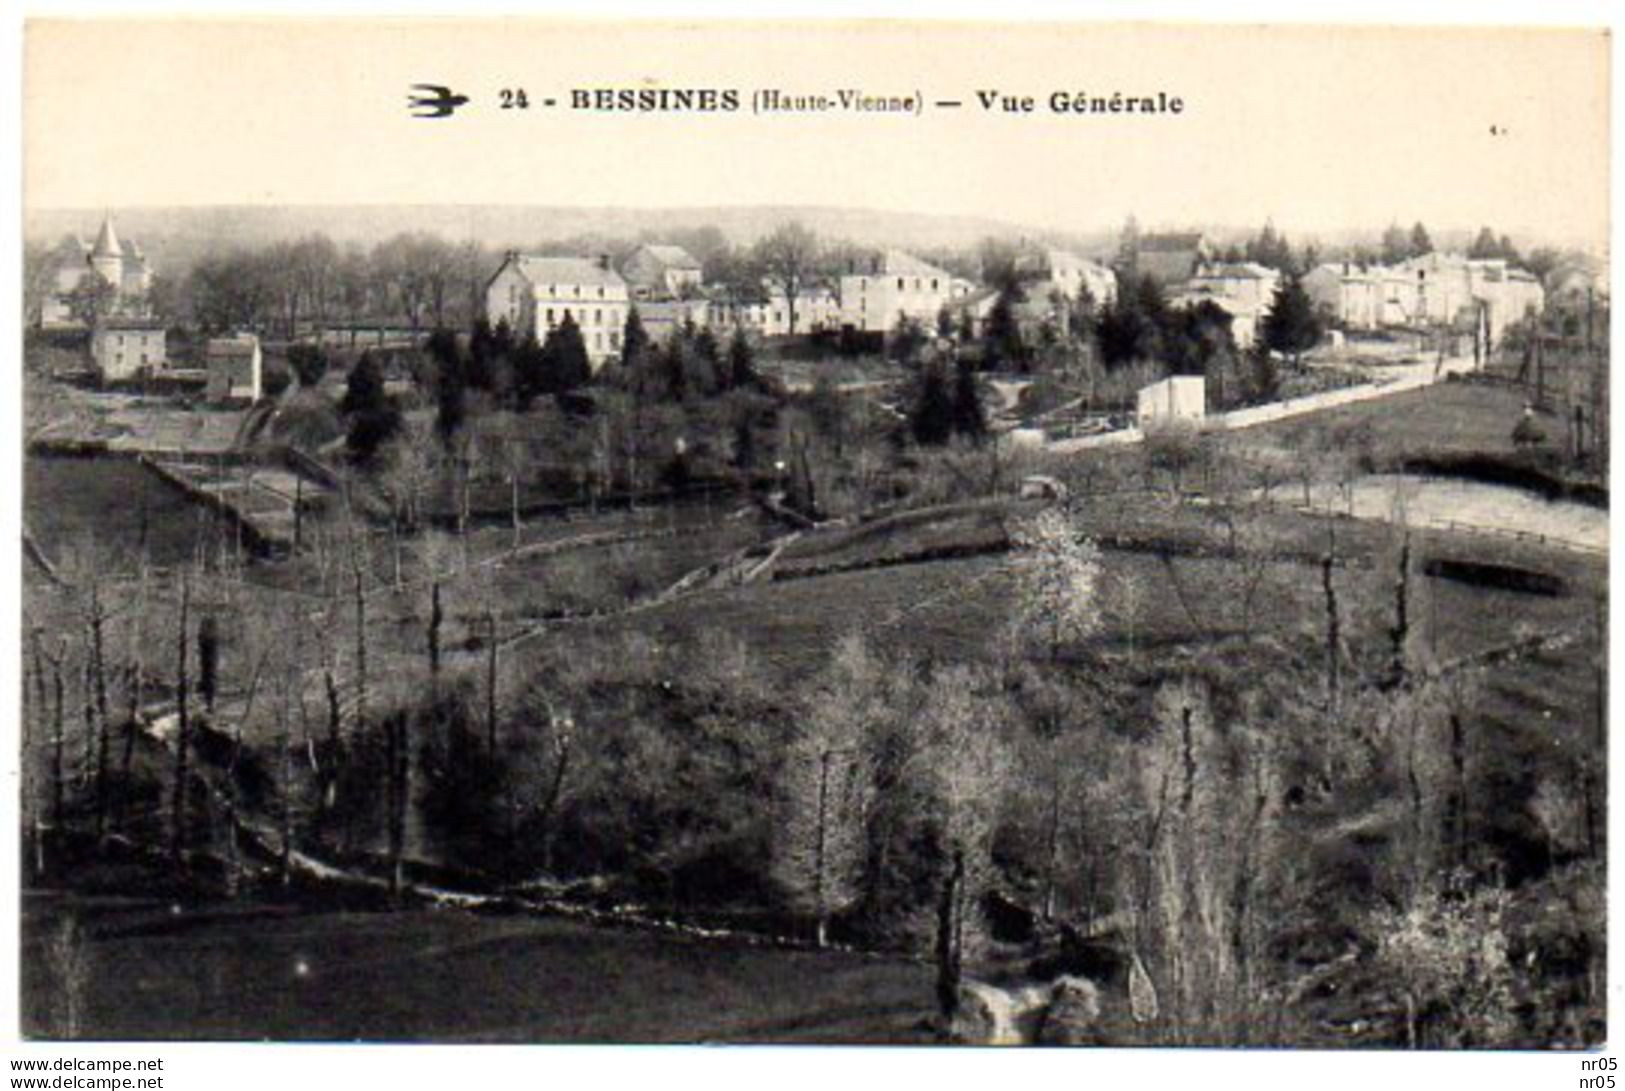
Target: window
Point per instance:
(578, 291)
(933, 284)
(899, 284)
(600, 291)
(550, 316)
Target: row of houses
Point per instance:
(871, 295)
(1431, 289)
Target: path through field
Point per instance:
(1453, 504)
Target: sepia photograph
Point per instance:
(888, 533)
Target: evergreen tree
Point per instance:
(364, 389)
(1396, 245)
(741, 361)
(1002, 342)
(906, 340)
(706, 372)
(565, 354)
(1270, 248)
(970, 419)
(1484, 246)
(530, 372)
(1132, 329)
(374, 418)
(482, 353)
(1420, 243)
(635, 352)
(450, 388)
(309, 363)
(1196, 336)
(932, 420)
(1292, 326)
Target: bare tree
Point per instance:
(968, 771)
(183, 722)
(825, 787)
(788, 259)
(1209, 798)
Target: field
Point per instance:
(117, 502)
(273, 972)
(1451, 418)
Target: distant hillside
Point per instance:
(177, 236)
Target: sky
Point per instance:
(1321, 129)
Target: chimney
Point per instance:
(509, 256)
(603, 262)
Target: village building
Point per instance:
(877, 294)
(655, 271)
(1043, 310)
(817, 308)
(233, 366)
(1348, 294)
(1172, 259)
(534, 295)
(1428, 290)
(661, 317)
(1242, 289)
(1178, 399)
(1070, 274)
(765, 312)
(127, 348)
(118, 264)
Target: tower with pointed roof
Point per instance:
(107, 256)
(119, 263)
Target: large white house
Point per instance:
(534, 295)
(878, 293)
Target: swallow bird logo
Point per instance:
(433, 100)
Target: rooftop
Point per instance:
(585, 271)
(898, 263)
(241, 345)
(673, 257)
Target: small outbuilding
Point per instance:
(1178, 399)
(234, 367)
